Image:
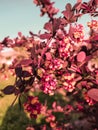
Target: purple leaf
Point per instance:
(10, 89)
(19, 83)
(93, 93)
(31, 80)
(18, 71)
(25, 74)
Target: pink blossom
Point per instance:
(65, 47)
(56, 64)
(49, 83)
(78, 31)
(93, 64)
(69, 82)
(32, 106)
(93, 24)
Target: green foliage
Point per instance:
(15, 119)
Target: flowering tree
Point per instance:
(58, 76)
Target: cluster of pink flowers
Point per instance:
(56, 64)
(93, 24)
(32, 106)
(51, 119)
(78, 31)
(65, 47)
(49, 83)
(69, 82)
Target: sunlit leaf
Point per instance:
(81, 56)
(93, 93)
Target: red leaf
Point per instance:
(68, 7)
(18, 71)
(10, 89)
(25, 74)
(71, 30)
(77, 6)
(93, 93)
(96, 1)
(47, 2)
(81, 56)
(20, 34)
(56, 25)
(68, 14)
(79, 1)
(45, 36)
(95, 37)
(48, 56)
(48, 27)
(26, 62)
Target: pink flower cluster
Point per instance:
(65, 47)
(32, 106)
(51, 119)
(69, 82)
(56, 64)
(49, 83)
(93, 24)
(78, 31)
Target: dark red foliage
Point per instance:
(26, 62)
(18, 71)
(32, 106)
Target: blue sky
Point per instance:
(24, 16)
